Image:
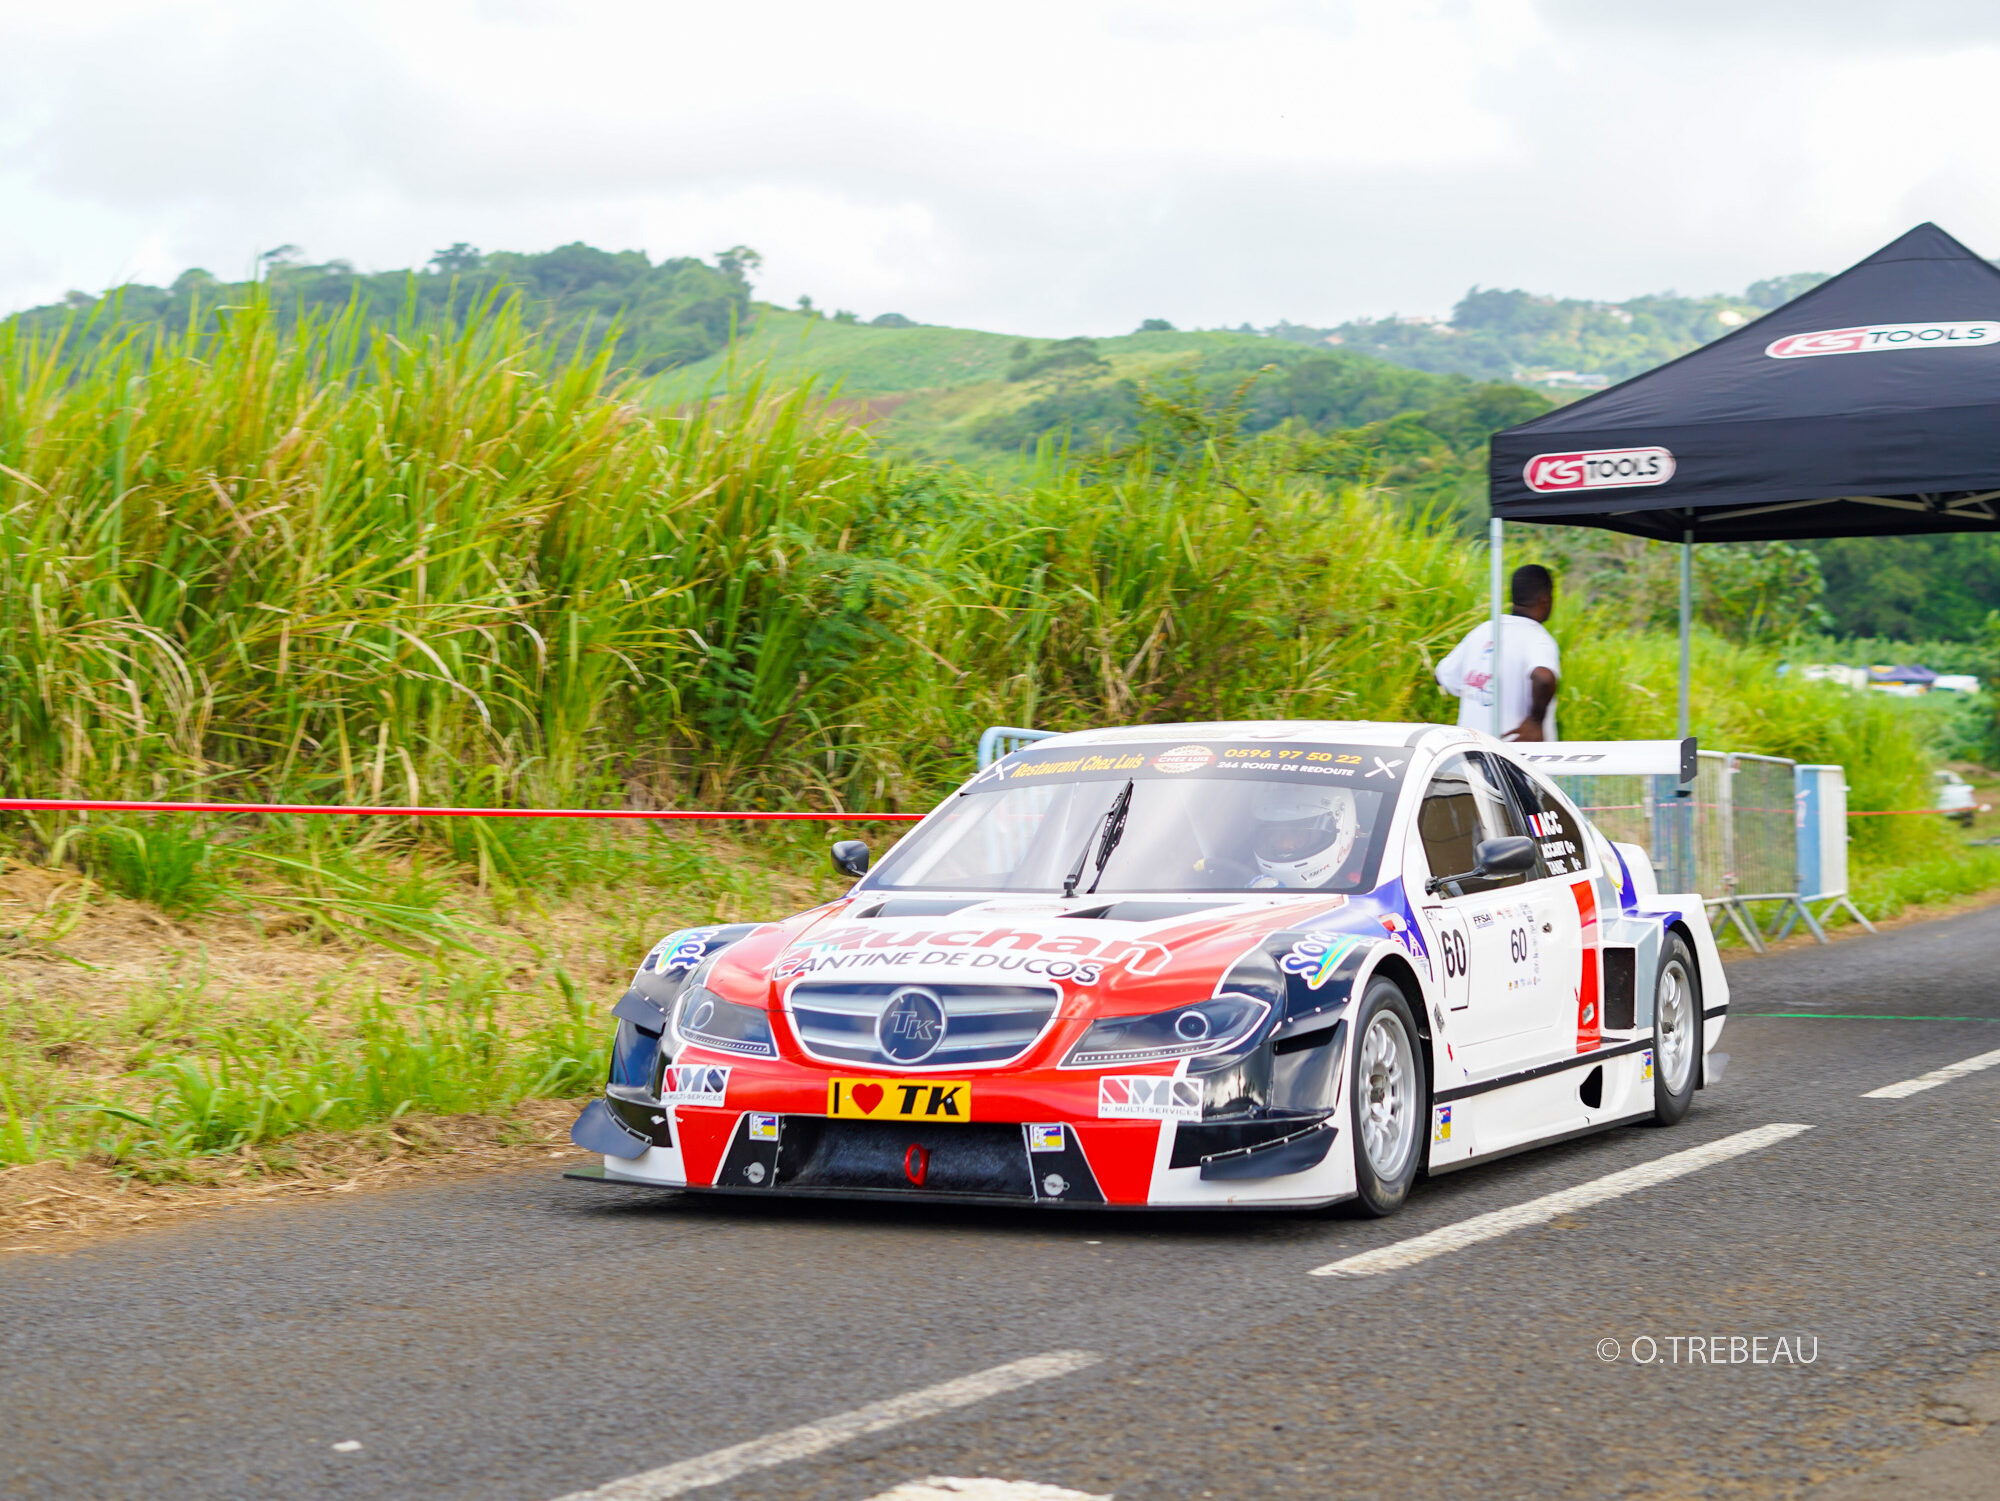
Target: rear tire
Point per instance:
(1386, 1084)
(1677, 1032)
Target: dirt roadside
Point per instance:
(54, 1207)
(93, 985)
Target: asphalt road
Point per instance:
(525, 1337)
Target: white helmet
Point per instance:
(1303, 834)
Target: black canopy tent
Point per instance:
(1773, 432)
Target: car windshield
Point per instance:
(1221, 815)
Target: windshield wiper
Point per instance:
(1114, 830)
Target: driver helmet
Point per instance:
(1302, 835)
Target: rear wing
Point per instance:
(1612, 758)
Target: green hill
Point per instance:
(667, 314)
(1554, 343)
(991, 399)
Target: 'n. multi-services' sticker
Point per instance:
(1148, 1097)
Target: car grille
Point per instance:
(984, 1024)
(988, 1161)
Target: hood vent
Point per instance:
(920, 906)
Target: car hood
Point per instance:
(1114, 956)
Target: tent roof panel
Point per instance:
(1882, 382)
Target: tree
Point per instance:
(739, 263)
(1155, 326)
(1070, 356)
(456, 258)
(1776, 291)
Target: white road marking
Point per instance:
(1934, 1078)
(955, 1488)
(1540, 1211)
(829, 1433)
(347, 1446)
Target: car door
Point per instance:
(1563, 898)
(1483, 928)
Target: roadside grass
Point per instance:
(158, 1048)
(1885, 891)
(446, 562)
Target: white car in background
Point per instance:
(1955, 798)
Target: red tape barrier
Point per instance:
(67, 805)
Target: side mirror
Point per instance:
(1492, 857)
(1504, 857)
(850, 857)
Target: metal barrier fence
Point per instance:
(1748, 829)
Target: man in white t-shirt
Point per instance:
(1529, 659)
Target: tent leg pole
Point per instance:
(1496, 546)
(1687, 614)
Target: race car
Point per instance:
(1190, 966)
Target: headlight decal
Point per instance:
(1196, 1030)
(706, 1020)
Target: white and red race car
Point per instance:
(1198, 965)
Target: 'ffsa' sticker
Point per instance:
(1441, 1123)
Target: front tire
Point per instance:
(1677, 1032)
(1386, 1084)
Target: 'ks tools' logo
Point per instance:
(1605, 469)
(1878, 337)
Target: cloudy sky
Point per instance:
(1036, 167)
